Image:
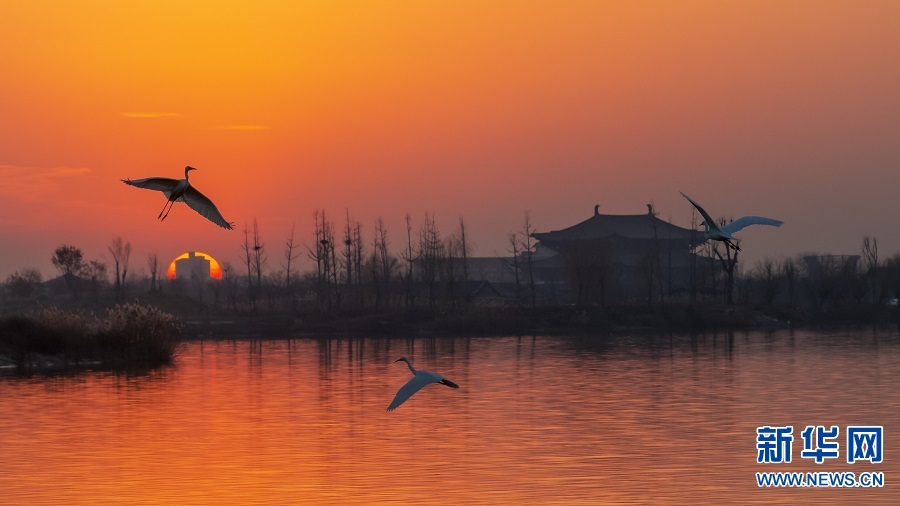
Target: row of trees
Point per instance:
(824, 280)
(79, 273)
(425, 267)
(349, 270)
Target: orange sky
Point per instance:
(480, 109)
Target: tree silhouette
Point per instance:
(153, 266)
(69, 261)
(121, 252)
(528, 251)
(289, 257)
(23, 283)
(870, 257)
(513, 264)
(247, 258)
(409, 257)
(383, 264)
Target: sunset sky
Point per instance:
(786, 109)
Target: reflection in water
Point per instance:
(536, 419)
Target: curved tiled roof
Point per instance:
(628, 226)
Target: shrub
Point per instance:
(23, 284)
(130, 335)
(61, 332)
(136, 334)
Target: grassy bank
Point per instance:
(484, 321)
(126, 336)
(504, 321)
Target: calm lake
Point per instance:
(536, 420)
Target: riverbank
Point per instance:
(125, 337)
(538, 321)
(138, 335)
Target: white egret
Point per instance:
(724, 232)
(419, 380)
(181, 190)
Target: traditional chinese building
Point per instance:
(192, 268)
(616, 258)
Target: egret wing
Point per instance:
(709, 221)
(445, 381)
(163, 184)
(746, 221)
(198, 202)
(412, 386)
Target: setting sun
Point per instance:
(215, 271)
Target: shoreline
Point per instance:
(55, 344)
(540, 321)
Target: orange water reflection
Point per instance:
(547, 420)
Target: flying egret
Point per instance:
(418, 381)
(724, 232)
(181, 190)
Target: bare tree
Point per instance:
(331, 249)
(829, 277)
(153, 266)
(230, 285)
(694, 276)
(409, 257)
(513, 264)
(95, 272)
(315, 254)
(359, 254)
(650, 262)
(431, 255)
(789, 274)
(728, 261)
(382, 263)
(259, 255)
(649, 267)
(743, 285)
(323, 254)
(121, 252)
(528, 251)
(464, 250)
(870, 259)
(347, 260)
(351, 259)
(451, 247)
(289, 257)
(768, 279)
(247, 259)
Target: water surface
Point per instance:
(536, 420)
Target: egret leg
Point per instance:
(159, 217)
(162, 216)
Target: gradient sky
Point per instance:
(786, 109)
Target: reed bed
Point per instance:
(126, 336)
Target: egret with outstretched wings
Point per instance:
(180, 190)
(419, 380)
(724, 232)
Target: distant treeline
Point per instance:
(424, 268)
